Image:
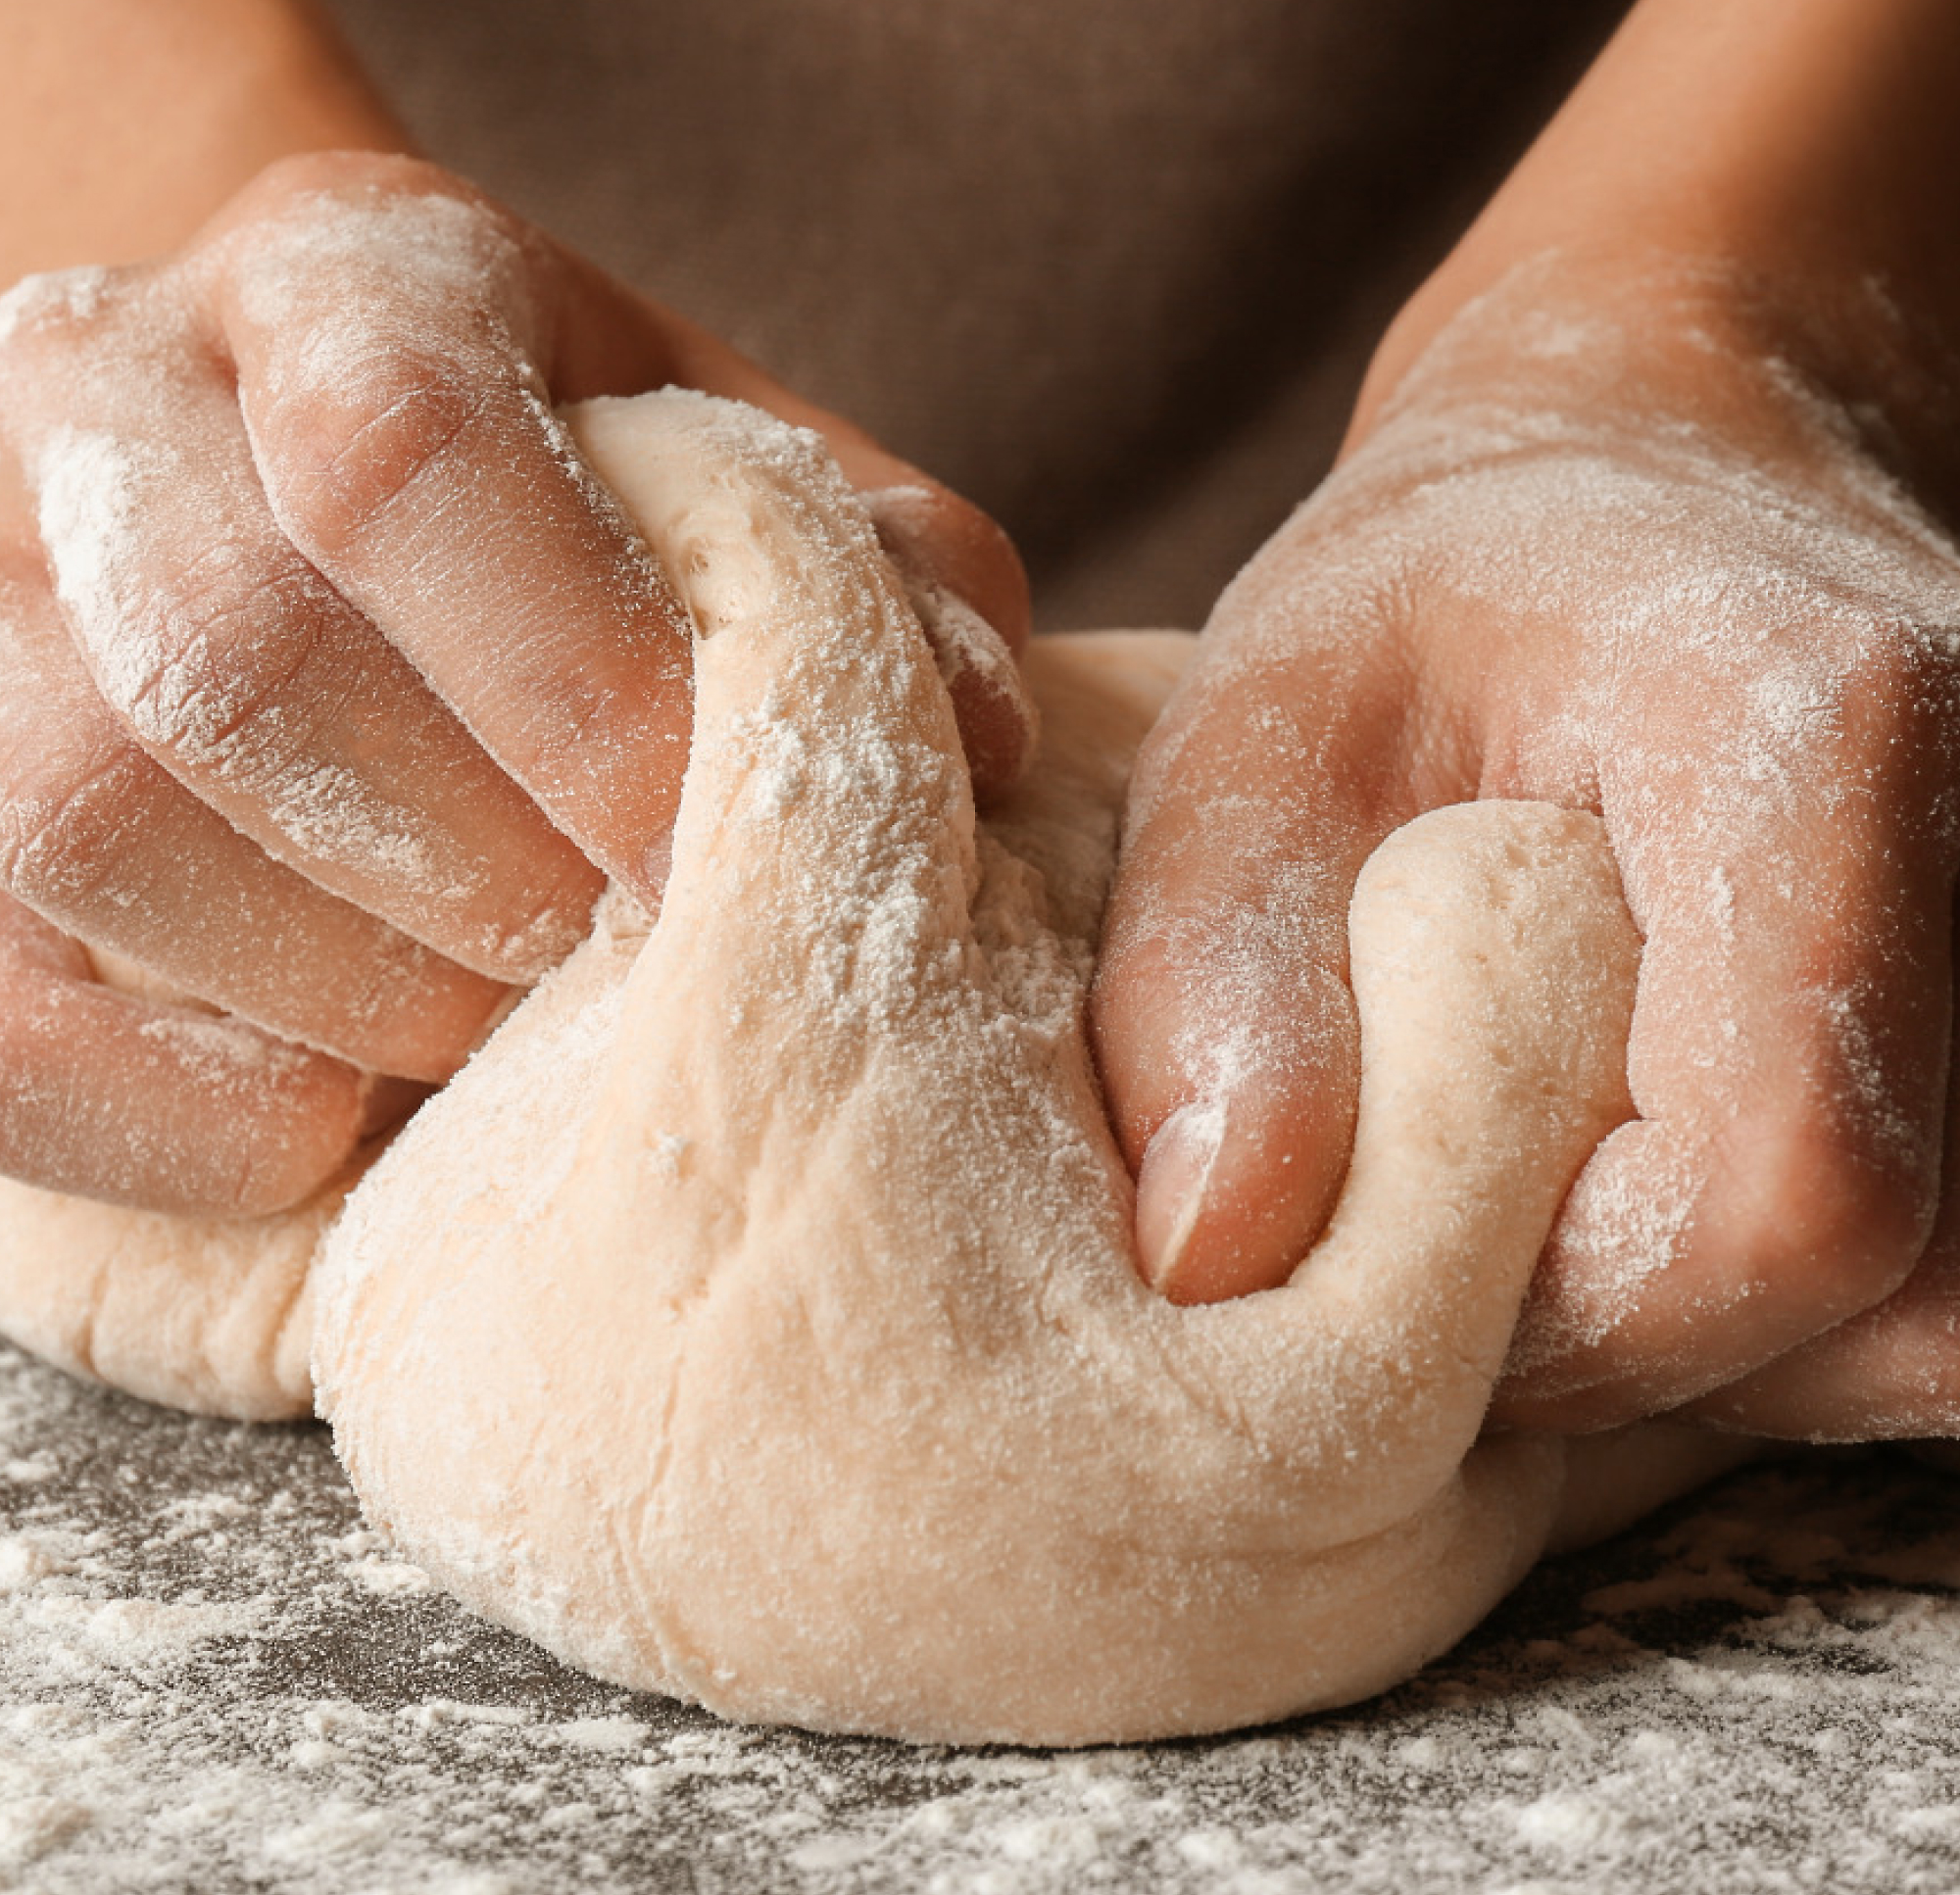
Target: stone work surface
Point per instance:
(214, 1679)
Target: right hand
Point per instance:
(335, 686)
(1620, 540)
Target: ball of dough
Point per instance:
(755, 1319)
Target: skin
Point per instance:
(1647, 509)
(337, 689)
(1740, 218)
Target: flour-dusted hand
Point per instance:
(1645, 509)
(1614, 543)
(335, 685)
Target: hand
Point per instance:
(336, 685)
(1623, 540)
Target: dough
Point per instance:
(213, 1315)
(755, 1319)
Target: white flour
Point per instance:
(214, 1679)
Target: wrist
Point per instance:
(1790, 154)
(1648, 338)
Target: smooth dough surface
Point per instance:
(756, 1318)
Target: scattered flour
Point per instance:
(201, 1696)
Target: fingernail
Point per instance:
(1171, 1188)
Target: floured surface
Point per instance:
(1763, 1687)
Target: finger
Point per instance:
(236, 667)
(393, 353)
(1891, 1373)
(1223, 1022)
(946, 537)
(97, 839)
(1787, 1062)
(960, 570)
(167, 1107)
(991, 702)
(402, 422)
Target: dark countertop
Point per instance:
(212, 1679)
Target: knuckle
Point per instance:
(327, 254)
(62, 823)
(1819, 1213)
(1901, 673)
(349, 453)
(198, 663)
(45, 315)
(345, 174)
(217, 691)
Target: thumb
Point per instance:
(1224, 1024)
